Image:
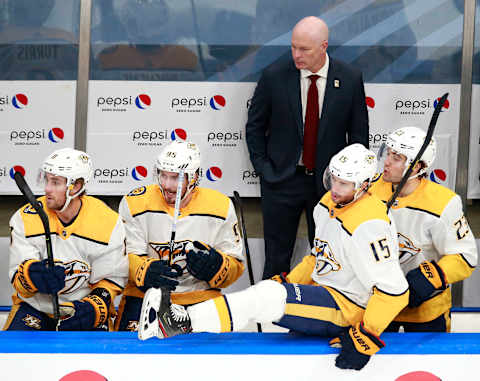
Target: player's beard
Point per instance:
(54, 203)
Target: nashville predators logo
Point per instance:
(32, 321)
(407, 249)
(29, 210)
(178, 256)
(138, 191)
(326, 261)
(77, 274)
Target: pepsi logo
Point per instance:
(17, 168)
(178, 134)
(139, 173)
(20, 101)
(418, 376)
(217, 102)
(55, 135)
(370, 102)
(438, 176)
(214, 173)
(143, 101)
(446, 105)
(83, 375)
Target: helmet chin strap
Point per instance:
(69, 198)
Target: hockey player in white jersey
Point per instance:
(87, 237)
(207, 253)
(437, 247)
(351, 286)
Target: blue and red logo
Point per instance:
(178, 134)
(139, 173)
(55, 135)
(370, 102)
(438, 176)
(143, 101)
(217, 102)
(16, 168)
(20, 101)
(214, 173)
(446, 105)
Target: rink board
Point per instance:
(235, 356)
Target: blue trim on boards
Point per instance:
(227, 343)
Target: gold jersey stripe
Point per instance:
(317, 312)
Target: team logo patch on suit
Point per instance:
(407, 249)
(138, 191)
(29, 210)
(76, 274)
(32, 321)
(326, 261)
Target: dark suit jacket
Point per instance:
(274, 130)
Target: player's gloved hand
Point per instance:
(357, 346)
(281, 278)
(87, 313)
(157, 273)
(203, 261)
(37, 276)
(423, 281)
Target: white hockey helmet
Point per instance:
(176, 156)
(407, 141)
(354, 163)
(71, 164)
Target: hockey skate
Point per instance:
(159, 317)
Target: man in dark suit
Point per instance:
(293, 130)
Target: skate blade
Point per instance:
(146, 327)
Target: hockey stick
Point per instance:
(37, 205)
(176, 212)
(238, 202)
(428, 137)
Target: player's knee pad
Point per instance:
(270, 299)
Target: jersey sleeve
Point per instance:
(229, 242)
(377, 267)
(302, 273)
(136, 235)
(112, 263)
(454, 241)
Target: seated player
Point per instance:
(351, 285)
(437, 247)
(87, 238)
(207, 249)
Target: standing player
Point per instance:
(88, 237)
(207, 254)
(351, 286)
(437, 247)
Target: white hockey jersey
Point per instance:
(209, 217)
(431, 226)
(355, 256)
(91, 248)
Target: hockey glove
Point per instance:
(86, 314)
(156, 273)
(35, 276)
(203, 261)
(423, 281)
(357, 346)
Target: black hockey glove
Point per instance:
(36, 276)
(203, 261)
(156, 273)
(423, 281)
(87, 313)
(357, 346)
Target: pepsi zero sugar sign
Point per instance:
(37, 117)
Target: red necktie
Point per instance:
(311, 124)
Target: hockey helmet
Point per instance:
(354, 163)
(407, 141)
(71, 164)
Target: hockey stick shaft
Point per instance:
(426, 142)
(176, 212)
(37, 205)
(238, 201)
